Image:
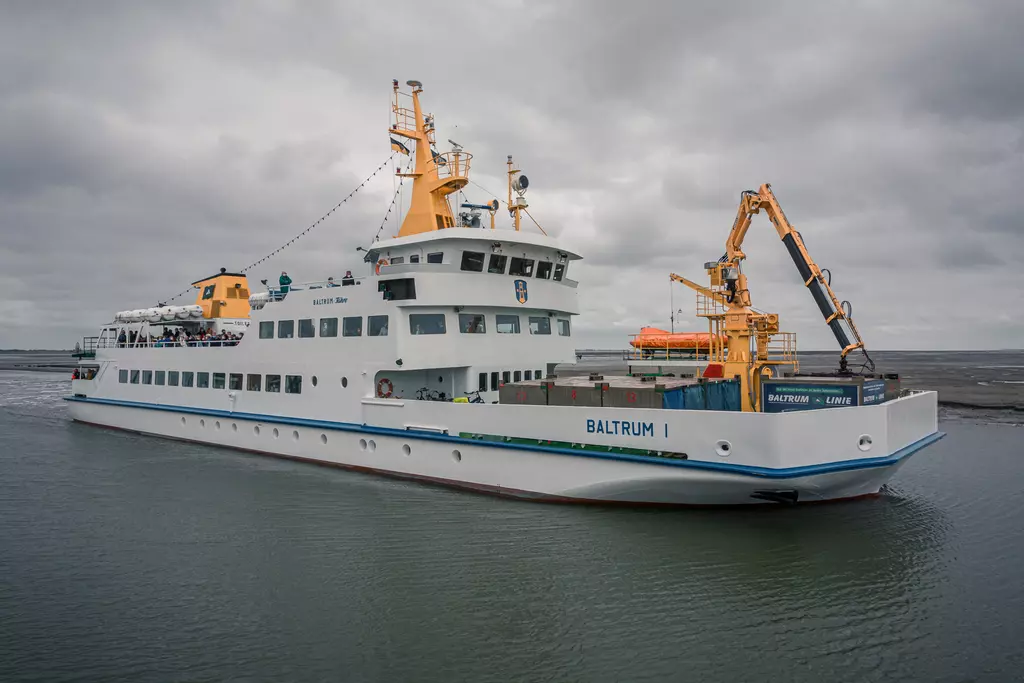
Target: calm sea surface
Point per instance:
(131, 558)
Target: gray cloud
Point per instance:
(143, 146)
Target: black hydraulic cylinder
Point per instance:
(821, 297)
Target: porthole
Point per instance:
(406, 450)
(234, 427)
(371, 445)
(256, 430)
(723, 448)
(276, 433)
(865, 442)
(295, 435)
(202, 423)
(440, 380)
(182, 421)
(216, 425)
(456, 456)
(362, 444)
(344, 382)
(323, 439)
(313, 380)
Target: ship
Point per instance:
(437, 363)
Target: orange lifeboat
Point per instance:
(654, 338)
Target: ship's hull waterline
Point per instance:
(534, 474)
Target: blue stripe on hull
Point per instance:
(748, 470)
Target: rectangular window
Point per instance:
(518, 377)
(306, 328)
(147, 376)
(274, 384)
(482, 382)
(538, 374)
(473, 261)
(563, 328)
(497, 264)
(267, 329)
(540, 325)
(521, 266)
(172, 378)
(253, 382)
(159, 378)
(506, 377)
(285, 329)
(559, 272)
(218, 380)
(293, 384)
(377, 325)
(397, 290)
(426, 323)
(188, 379)
(436, 257)
(471, 323)
(415, 258)
(397, 260)
(235, 381)
(352, 327)
(527, 375)
(328, 327)
(507, 324)
(544, 270)
(494, 381)
(122, 376)
(135, 376)
(203, 380)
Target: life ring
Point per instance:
(381, 391)
(382, 262)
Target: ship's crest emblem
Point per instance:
(521, 291)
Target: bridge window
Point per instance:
(544, 270)
(426, 323)
(473, 261)
(563, 328)
(481, 383)
(135, 377)
(471, 323)
(352, 327)
(122, 376)
(172, 378)
(208, 292)
(540, 325)
(328, 327)
(494, 381)
(218, 380)
(497, 264)
(397, 260)
(518, 376)
(253, 382)
(521, 266)
(235, 381)
(274, 384)
(397, 290)
(528, 374)
(159, 377)
(147, 376)
(293, 384)
(267, 329)
(414, 258)
(436, 257)
(306, 328)
(285, 329)
(559, 272)
(377, 325)
(188, 379)
(507, 324)
(203, 380)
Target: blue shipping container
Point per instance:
(720, 395)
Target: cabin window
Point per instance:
(507, 324)
(293, 384)
(527, 375)
(285, 329)
(208, 292)
(159, 378)
(497, 264)
(122, 376)
(172, 378)
(538, 374)
(397, 290)
(559, 272)
(328, 327)
(414, 258)
(306, 328)
(540, 325)
(563, 328)
(352, 327)
(506, 377)
(426, 323)
(377, 325)
(521, 266)
(253, 382)
(473, 261)
(397, 260)
(471, 323)
(203, 380)
(481, 383)
(267, 329)
(274, 384)
(188, 379)
(218, 380)
(544, 270)
(235, 381)
(494, 381)
(135, 377)
(436, 257)
(518, 376)
(147, 376)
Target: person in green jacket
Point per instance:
(285, 282)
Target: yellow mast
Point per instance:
(435, 176)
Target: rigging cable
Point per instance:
(394, 199)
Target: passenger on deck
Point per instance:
(348, 279)
(122, 339)
(285, 283)
(331, 282)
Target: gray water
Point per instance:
(131, 558)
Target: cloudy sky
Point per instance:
(145, 145)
